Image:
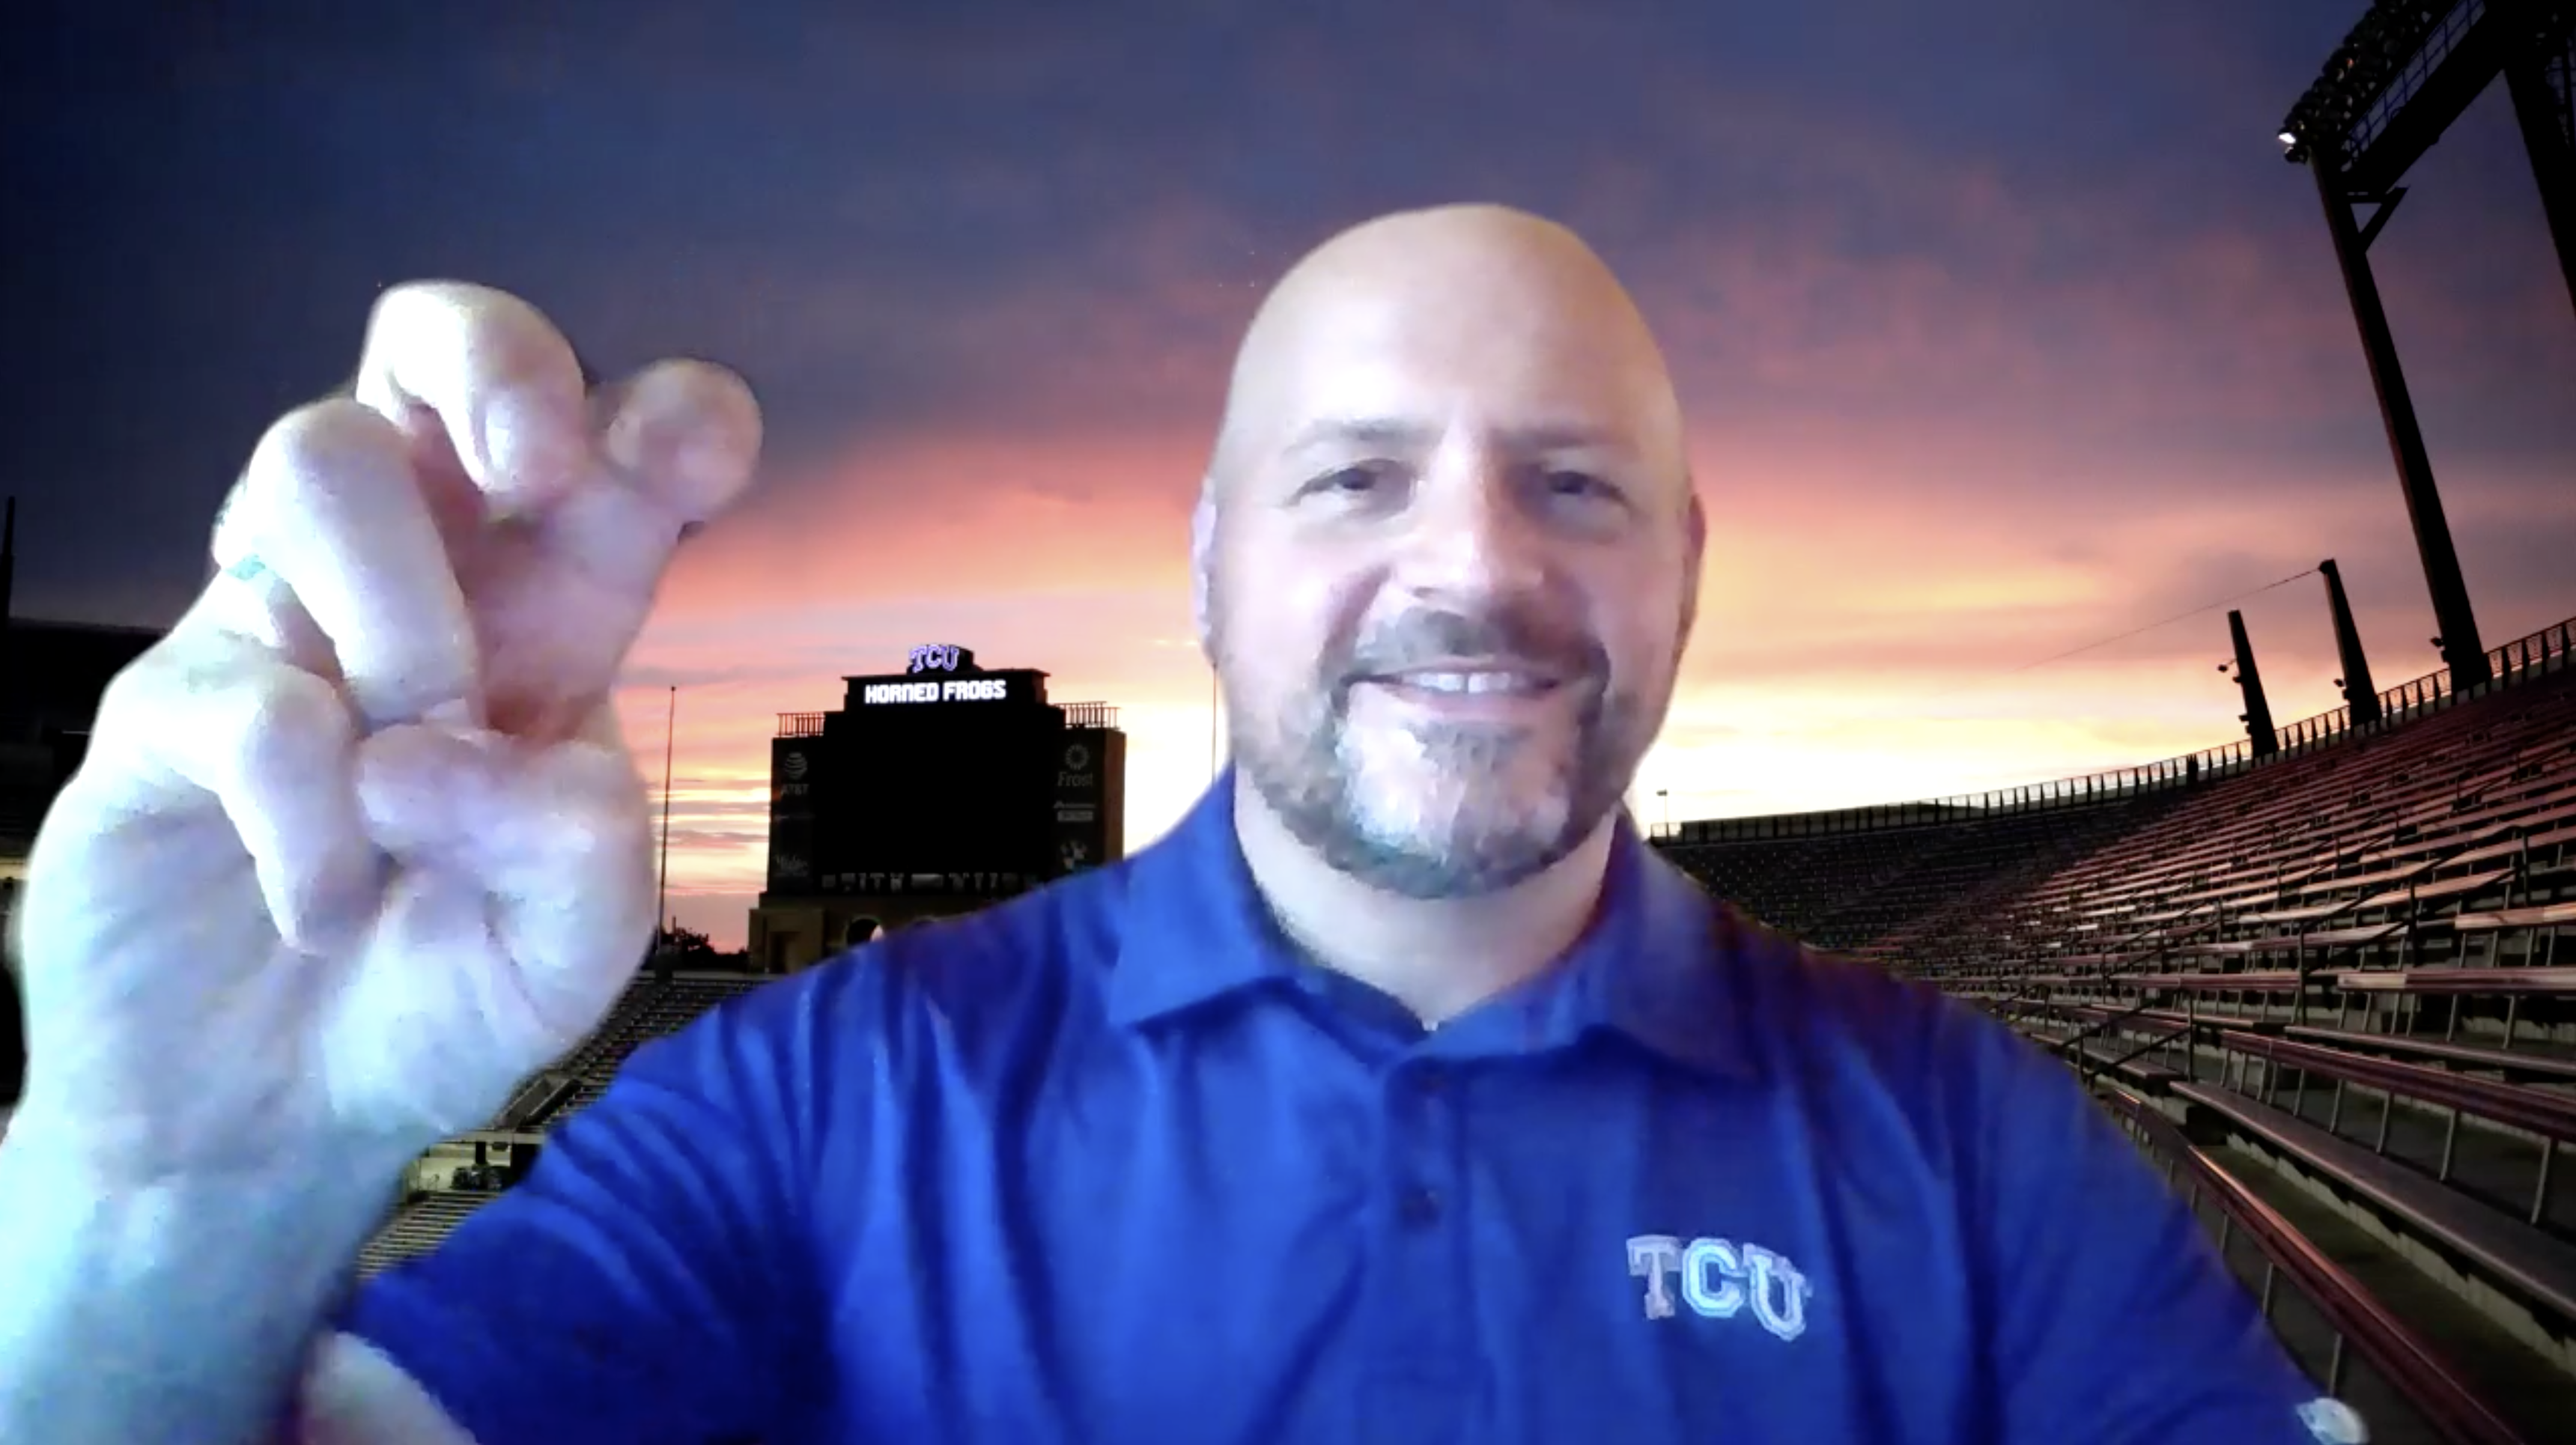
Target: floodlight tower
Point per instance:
(2257, 716)
(2360, 697)
(2388, 92)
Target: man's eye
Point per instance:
(1582, 485)
(1355, 482)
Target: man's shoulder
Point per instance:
(1042, 939)
(1822, 987)
(1836, 1010)
(974, 979)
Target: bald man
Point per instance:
(1400, 1094)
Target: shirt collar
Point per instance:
(1656, 966)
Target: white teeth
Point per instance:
(1472, 682)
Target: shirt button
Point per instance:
(1418, 1208)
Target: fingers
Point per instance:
(679, 442)
(329, 504)
(491, 373)
(609, 481)
(204, 715)
(557, 839)
(684, 435)
(384, 535)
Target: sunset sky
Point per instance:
(2003, 327)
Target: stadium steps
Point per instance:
(2535, 1262)
(2113, 1055)
(2494, 1166)
(2458, 1257)
(2543, 1061)
(2518, 1382)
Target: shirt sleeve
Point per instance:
(650, 1279)
(2111, 1317)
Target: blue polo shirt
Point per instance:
(1110, 1164)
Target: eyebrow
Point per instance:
(1397, 432)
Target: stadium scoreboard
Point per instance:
(943, 779)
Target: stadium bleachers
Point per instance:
(417, 1226)
(1843, 891)
(2421, 847)
(653, 1004)
(2327, 989)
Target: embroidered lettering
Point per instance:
(1719, 1278)
(1653, 1258)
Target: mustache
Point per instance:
(1518, 636)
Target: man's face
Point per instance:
(1452, 566)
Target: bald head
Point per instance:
(1447, 554)
(1465, 289)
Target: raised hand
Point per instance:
(356, 847)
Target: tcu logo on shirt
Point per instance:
(1718, 1279)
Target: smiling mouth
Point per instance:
(1471, 681)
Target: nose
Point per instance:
(1472, 536)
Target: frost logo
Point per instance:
(1720, 1279)
(1076, 758)
(2332, 1422)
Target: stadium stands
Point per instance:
(653, 1005)
(1848, 890)
(2369, 854)
(2326, 989)
(2356, 1319)
(417, 1226)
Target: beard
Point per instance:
(1446, 810)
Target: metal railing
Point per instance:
(2360, 1323)
(2518, 661)
(801, 724)
(2549, 1117)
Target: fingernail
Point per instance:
(712, 464)
(621, 441)
(460, 715)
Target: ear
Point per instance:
(1202, 564)
(1694, 550)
